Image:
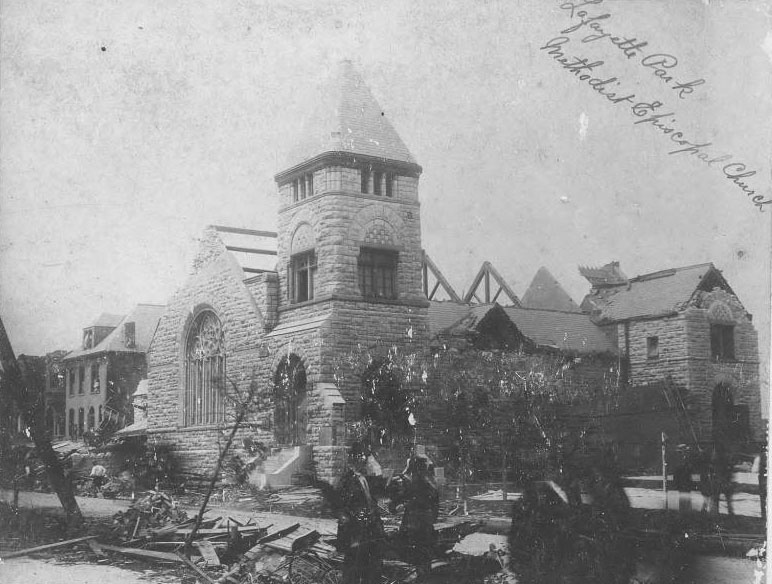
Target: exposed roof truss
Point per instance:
(483, 279)
(431, 272)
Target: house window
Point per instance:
(95, 382)
(71, 375)
(310, 184)
(295, 191)
(365, 180)
(722, 342)
(302, 272)
(377, 187)
(73, 430)
(389, 184)
(378, 273)
(100, 414)
(81, 421)
(81, 379)
(204, 372)
(652, 347)
(91, 418)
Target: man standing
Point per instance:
(360, 531)
(422, 504)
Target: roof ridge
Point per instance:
(546, 310)
(678, 269)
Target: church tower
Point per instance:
(349, 250)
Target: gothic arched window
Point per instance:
(204, 371)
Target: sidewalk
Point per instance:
(93, 507)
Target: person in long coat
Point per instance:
(421, 500)
(360, 531)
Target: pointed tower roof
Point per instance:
(545, 292)
(348, 120)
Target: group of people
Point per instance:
(361, 536)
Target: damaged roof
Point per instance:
(569, 331)
(254, 250)
(654, 294)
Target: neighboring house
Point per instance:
(101, 376)
(687, 328)
(47, 375)
(55, 395)
(348, 273)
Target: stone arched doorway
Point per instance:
(290, 402)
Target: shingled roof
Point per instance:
(348, 119)
(545, 292)
(655, 294)
(572, 332)
(145, 318)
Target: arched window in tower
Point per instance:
(721, 332)
(204, 372)
(377, 263)
(290, 405)
(302, 268)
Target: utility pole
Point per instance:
(664, 468)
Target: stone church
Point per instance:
(348, 274)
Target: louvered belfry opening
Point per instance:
(205, 372)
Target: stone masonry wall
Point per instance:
(265, 290)
(340, 221)
(217, 285)
(673, 350)
(741, 373)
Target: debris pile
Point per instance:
(154, 510)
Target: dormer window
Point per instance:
(88, 338)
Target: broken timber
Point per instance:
(49, 546)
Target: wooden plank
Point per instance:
(207, 552)
(220, 530)
(49, 546)
(225, 229)
(252, 250)
(147, 554)
(204, 576)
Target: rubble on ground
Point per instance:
(225, 550)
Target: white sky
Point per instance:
(112, 161)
